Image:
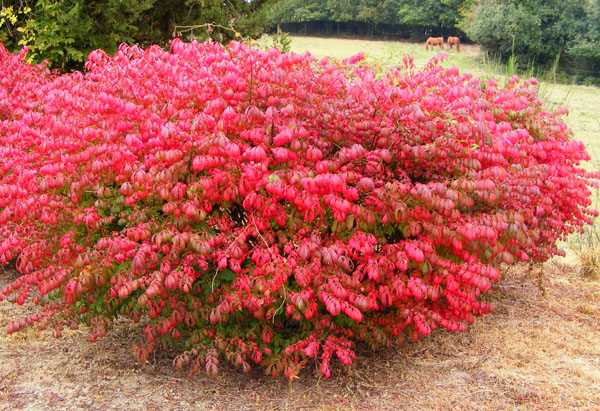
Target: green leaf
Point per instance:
(405, 231)
(350, 222)
(227, 275)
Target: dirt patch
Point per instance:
(533, 352)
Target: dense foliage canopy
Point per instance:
(268, 208)
(65, 31)
(540, 31)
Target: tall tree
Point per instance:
(369, 12)
(535, 30)
(428, 13)
(343, 10)
(65, 31)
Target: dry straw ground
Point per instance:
(534, 352)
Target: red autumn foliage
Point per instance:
(269, 208)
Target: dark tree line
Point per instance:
(415, 19)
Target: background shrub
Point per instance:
(269, 208)
(537, 32)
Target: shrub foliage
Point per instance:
(268, 208)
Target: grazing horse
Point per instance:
(454, 41)
(434, 41)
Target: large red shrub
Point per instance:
(268, 208)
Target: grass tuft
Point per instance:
(587, 250)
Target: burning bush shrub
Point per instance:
(269, 208)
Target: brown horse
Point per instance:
(454, 41)
(434, 41)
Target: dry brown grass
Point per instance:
(586, 248)
(534, 352)
(590, 262)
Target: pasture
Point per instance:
(533, 352)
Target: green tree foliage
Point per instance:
(423, 13)
(442, 13)
(537, 31)
(65, 31)
(293, 11)
(585, 51)
(343, 11)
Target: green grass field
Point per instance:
(583, 102)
